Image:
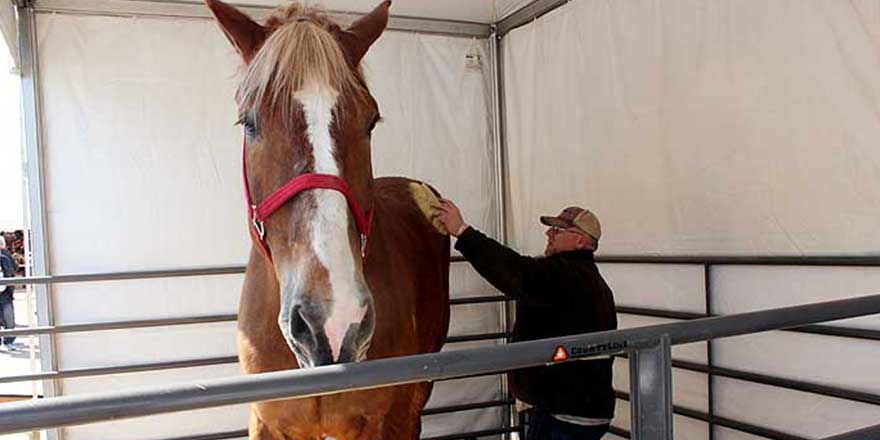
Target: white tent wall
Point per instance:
(142, 172)
(699, 126)
(712, 128)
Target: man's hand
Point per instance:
(450, 215)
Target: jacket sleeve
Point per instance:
(6, 264)
(513, 274)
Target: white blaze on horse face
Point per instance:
(329, 227)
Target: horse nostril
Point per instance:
(308, 339)
(299, 327)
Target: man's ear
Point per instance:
(246, 35)
(358, 38)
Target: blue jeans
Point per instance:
(7, 319)
(540, 425)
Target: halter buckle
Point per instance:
(258, 224)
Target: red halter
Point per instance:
(259, 213)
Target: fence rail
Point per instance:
(707, 262)
(72, 410)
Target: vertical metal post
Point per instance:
(650, 367)
(710, 378)
(497, 108)
(36, 213)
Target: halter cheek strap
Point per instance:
(259, 213)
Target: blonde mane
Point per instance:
(300, 51)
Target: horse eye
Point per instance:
(373, 123)
(250, 127)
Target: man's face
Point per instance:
(563, 240)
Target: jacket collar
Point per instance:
(576, 255)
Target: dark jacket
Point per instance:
(563, 294)
(9, 268)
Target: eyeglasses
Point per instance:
(557, 230)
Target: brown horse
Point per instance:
(309, 297)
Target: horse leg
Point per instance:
(257, 430)
(404, 419)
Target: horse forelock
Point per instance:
(301, 51)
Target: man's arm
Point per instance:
(511, 273)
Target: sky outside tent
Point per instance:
(11, 204)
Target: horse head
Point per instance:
(308, 117)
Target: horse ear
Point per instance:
(246, 35)
(364, 32)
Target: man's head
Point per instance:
(573, 229)
(2, 241)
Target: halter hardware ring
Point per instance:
(258, 224)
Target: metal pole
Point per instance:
(527, 14)
(71, 410)
(497, 81)
(710, 354)
(180, 9)
(650, 366)
(37, 234)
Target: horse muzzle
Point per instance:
(325, 334)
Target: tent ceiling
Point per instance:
(481, 11)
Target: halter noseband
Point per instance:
(259, 213)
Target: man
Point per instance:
(7, 308)
(560, 294)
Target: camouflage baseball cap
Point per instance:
(576, 217)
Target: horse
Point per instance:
(343, 267)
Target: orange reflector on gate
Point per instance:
(560, 354)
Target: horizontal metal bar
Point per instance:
(99, 326)
(659, 313)
(477, 337)
(619, 432)
(479, 299)
(140, 368)
(226, 435)
(121, 369)
(426, 412)
(473, 434)
(180, 9)
(467, 407)
(87, 327)
(231, 270)
(121, 276)
(750, 260)
(776, 381)
(755, 430)
(70, 410)
(204, 362)
(723, 421)
(141, 275)
(869, 433)
(244, 433)
(165, 322)
(827, 330)
(527, 14)
(792, 384)
(844, 332)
